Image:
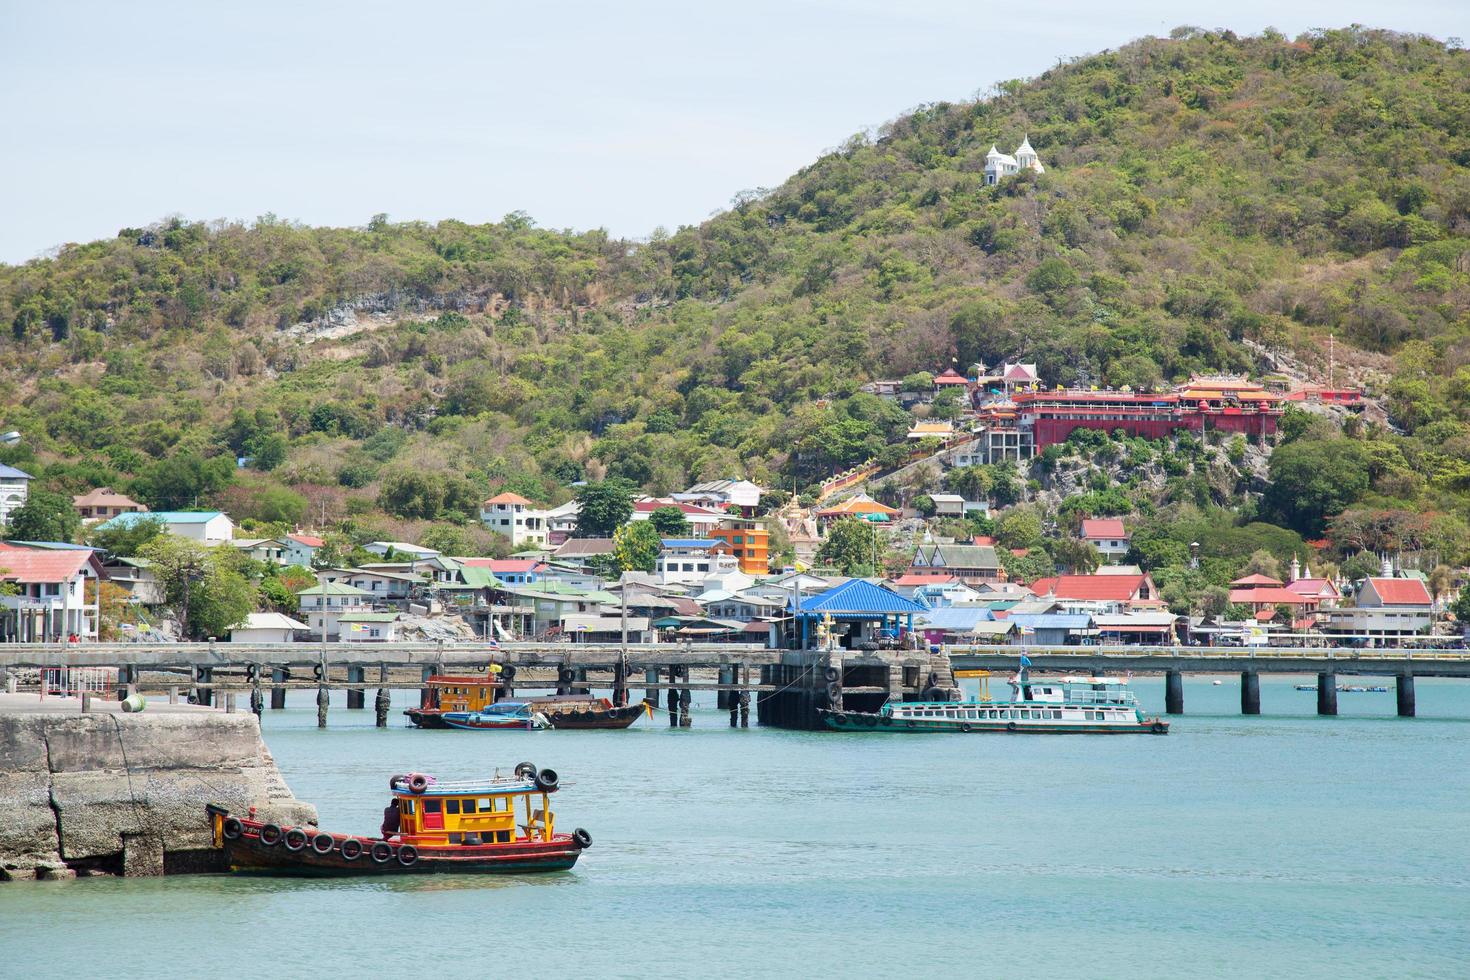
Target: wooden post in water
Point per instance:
(1327, 693)
(620, 680)
(1174, 692)
(1404, 694)
(1250, 692)
(673, 697)
(383, 700)
(356, 696)
(278, 694)
(722, 697)
(685, 700)
(322, 700)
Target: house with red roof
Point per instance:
(702, 520)
(511, 571)
(1108, 536)
(515, 517)
(301, 549)
(950, 379)
(1100, 593)
(55, 594)
(1384, 607)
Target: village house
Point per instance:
(736, 496)
(511, 571)
(1108, 536)
(561, 523)
(267, 628)
(517, 518)
(701, 520)
(206, 527)
(948, 504)
(1383, 607)
(323, 605)
(972, 564)
(861, 506)
(54, 594)
(1265, 594)
(749, 542)
(688, 561)
(104, 503)
(931, 429)
(1099, 594)
(261, 549)
(301, 549)
(401, 550)
(581, 551)
(136, 577)
(15, 487)
(368, 627)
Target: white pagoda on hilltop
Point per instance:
(998, 164)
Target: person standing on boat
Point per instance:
(391, 819)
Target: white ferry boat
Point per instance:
(1067, 705)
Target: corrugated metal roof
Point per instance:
(858, 596)
(1051, 621)
(953, 619)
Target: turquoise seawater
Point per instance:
(1282, 845)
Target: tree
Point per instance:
(1360, 566)
(45, 516)
(126, 540)
(207, 592)
(1078, 557)
(670, 522)
(925, 505)
(414, 494)
(851, 546)
(180, 481)
(1461, 608)
(1262, 562)
(1314, 479)
(636, 546)
(1018, 528)
(604, 507)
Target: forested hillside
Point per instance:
(1209, 200)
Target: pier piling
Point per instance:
(1327, 693)
(1174, 692)
(1250, 692)
(380, 708)
(278, 694)
(673, 698)
(204, 694)
(322, 700)
(685, 700)
(650, 694)
(356, 696)
(1404, 694)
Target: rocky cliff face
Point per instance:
(126, 793)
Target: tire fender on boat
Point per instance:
(294, 839)
(832, 674)
(351, 849)
(1159, 728)
(885, 721)
(1010, 726)
(527, 769)
(231, 828)
(407, 855)
(418, 782)
(381, 852)
(323, 843)
(270, 834)
(965, 727)
(546, 780)
(839, 717)
(581, 838)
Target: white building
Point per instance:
(52, 599)
(267, 628)
(948, 504)
(368, 627)
(301, 549)
(1385, 607)
(207, 527)
(687, 561)
(517, 518)
(324, 605)
(402, 550)
(737, 495)
(1108, 536)
(15, 487)
(1000, 165)
(261, 549)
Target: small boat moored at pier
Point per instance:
(518, 715)
(500, 825)
(1069, 705)
(468, 702)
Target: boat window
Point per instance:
(431, 806)
(468, 806)
(485, 804)
(406, 805)
(451, 806)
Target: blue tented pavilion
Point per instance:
(871, 610)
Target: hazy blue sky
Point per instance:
(625, 115)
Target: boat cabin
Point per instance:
(499, 811)
(452, 693)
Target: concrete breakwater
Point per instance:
(125, 793)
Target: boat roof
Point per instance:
(468, 787)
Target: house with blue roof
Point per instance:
(859, 611)
(207, 527)
(15, 487)
(689, 561)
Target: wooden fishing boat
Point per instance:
(502, 715)
(452, 698)
(1068, 706)
(487, 826)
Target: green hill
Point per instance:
(1210, 202)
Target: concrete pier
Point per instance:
(356, 696)
(1404, 695)
(1174, 692)
(1327, 693)
(1250, 692)
(278, 694)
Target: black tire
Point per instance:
(834, 691)
(934, 694)
(886, 722)
(407, 855)
(294, 839)
(911, 723)
(1159, 728)
(507, 672)
(581, 838)
(525, 769)
(832, 674)
(547, 780)
(323, 843)
(393, 781)
(351, 849)
(871, 721)
(566, 675)
(418, 782)
(231, 828)
(965, 727)
(270, 834)
(381, 852)
(319, 672)
(1010, 726)
(839, 717)
(867, 645)
(251, 672)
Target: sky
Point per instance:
(625, 115)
